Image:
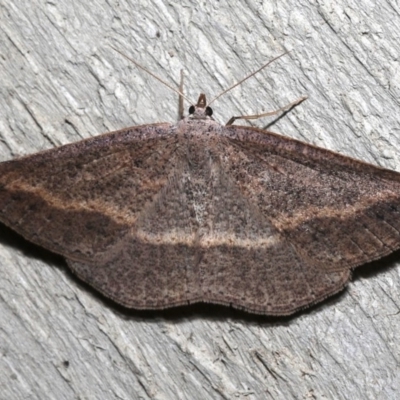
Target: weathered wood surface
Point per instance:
(60, 82)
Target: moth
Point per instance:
(162, 215)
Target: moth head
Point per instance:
(200, 110)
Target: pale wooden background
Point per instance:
(60, 82)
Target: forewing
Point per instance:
(337, 212)
(79, 200)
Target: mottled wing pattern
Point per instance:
(164, 215)
(337, 212)
(80, 200)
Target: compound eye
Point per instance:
(209, 111)
(191, 109)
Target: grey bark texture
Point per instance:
(61, 82)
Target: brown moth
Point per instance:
(163, 215)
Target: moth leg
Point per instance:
(287, 107)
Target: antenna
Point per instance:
(153, 75)
(247, 77)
